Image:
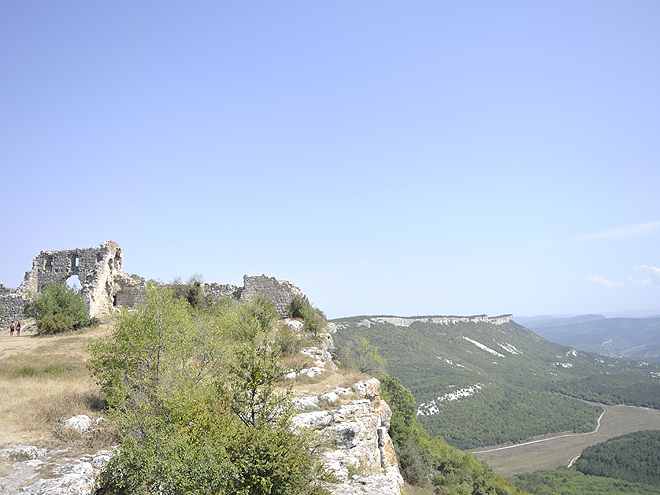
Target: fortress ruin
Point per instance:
(105, 286)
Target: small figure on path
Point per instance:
(11, 329)
(18, 329)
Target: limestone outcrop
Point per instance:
(352, 426)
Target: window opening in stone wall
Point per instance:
(49, 263)
(75, 262)
(74, 282)
(114, 300)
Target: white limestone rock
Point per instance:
(81, 423)
(358, 432)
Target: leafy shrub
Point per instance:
(314, 319)
(359, 354)
(58, 308)
(194, 399)
(192, 291)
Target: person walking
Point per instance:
(18, 329)
(11, 329)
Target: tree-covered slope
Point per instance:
(479, 383)
(633, 457)
(633, 338)
(567, 482)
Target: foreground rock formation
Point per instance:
(352, 423)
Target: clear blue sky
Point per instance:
(387, 157)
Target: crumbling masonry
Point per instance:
(105, 286)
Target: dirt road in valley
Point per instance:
(557, 450)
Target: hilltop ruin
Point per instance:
(105, 286)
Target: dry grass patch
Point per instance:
(327, 381)
(44, 380)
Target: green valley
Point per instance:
(633, 338)
(480, 381)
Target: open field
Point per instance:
(559, 449)
(44, 380)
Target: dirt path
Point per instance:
(559, 450)
(544, 439)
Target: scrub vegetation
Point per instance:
(429, 462)
(59, 308)
(194, 395)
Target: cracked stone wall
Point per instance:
(281, 292)
(104, 285)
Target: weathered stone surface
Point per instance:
(105, 286)
(60, 476)
(281, 292)
(359, 442)
(296, 325)
(22, 452)
(79, 477)
(81, 423)
(368, 388)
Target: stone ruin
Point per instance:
(105, 286)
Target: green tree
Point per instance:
(192, 291)
(314, 319)
(193, 396)
(357, 353)
(58, 308)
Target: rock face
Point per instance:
(399, 321)
(59, 475)
(359, 451)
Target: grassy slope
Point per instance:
(518, 398)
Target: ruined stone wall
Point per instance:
(13, 306)
(100, 271)
(105, 285)
(281, 292)
(220, 291)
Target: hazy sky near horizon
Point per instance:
(400, 158)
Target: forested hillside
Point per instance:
(479, 383)
(633, 457)
(633, 338)
(563, 481)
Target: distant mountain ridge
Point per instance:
(481, 383)
(632, 338)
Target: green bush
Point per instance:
(192, 292)
(314, 319)
(58, 308)
(358, 354)
(193, 396)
